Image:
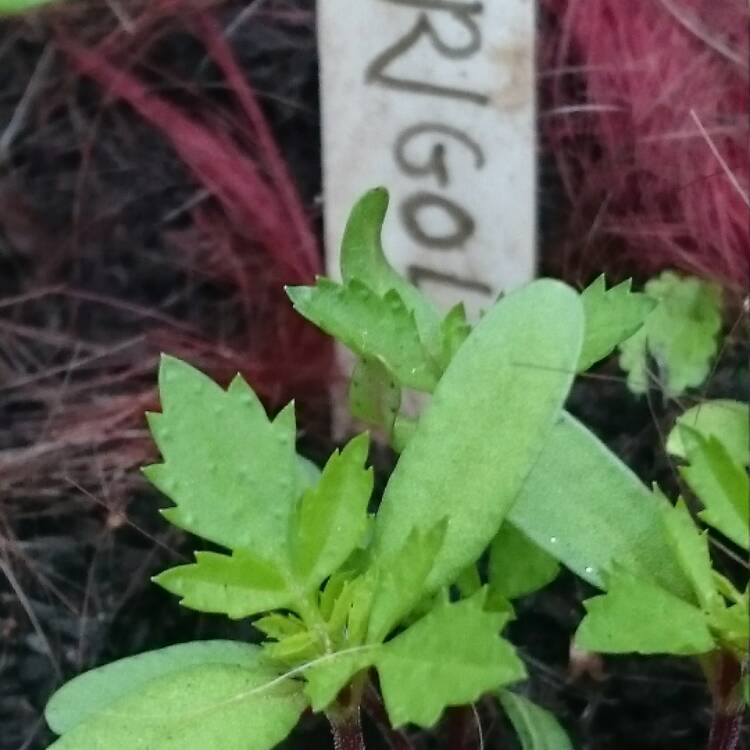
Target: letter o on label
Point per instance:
(413, 211)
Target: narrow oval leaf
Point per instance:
(635, 616)
(207, 707)
(485, 427)
(587, 509)
(95, 690)
(536, 727)
(518, 566)
(450, 657)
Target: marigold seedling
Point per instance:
(336, 592)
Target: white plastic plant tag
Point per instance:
(435, 100)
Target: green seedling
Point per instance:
(680, 335)
(585, 537)
(495, 486)
(338, 593)
(542, 526)
(580, 504)
(710, 619)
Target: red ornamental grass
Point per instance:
(259, 211)
(248, 235)
(647, 120)
(256, 208)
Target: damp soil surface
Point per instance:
(80, 533)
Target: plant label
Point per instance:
(435, 100)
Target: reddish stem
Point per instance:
(373, 705)
(345, 719)
(347, 730)
(457, 723)
(725, 731)
(726, 725)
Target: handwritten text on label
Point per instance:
(434, 99)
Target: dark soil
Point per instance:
(79, 531)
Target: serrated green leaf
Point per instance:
(517, 565)
(206, 707)
(728, 421)
(374, 396)
(296, 649)
(94, 691)
(225, 464)
(373, 327)
(481, 434)
(725, 587)
(537, 728)
(691, 549)
(720, 484)
(731, 624)
(361, 607)
(469, 582)
(238, 586)
(587, 509)
(340, 611)
(329, 676)
(680, 334)
(326, 677)
(496, 602)
(637, 616)
(363, 259)
(309, 472)
(332, 516)
(454, 330)
(279, 626)
(611, 317)
(401, 580)
(331, 592)
(450, 657)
